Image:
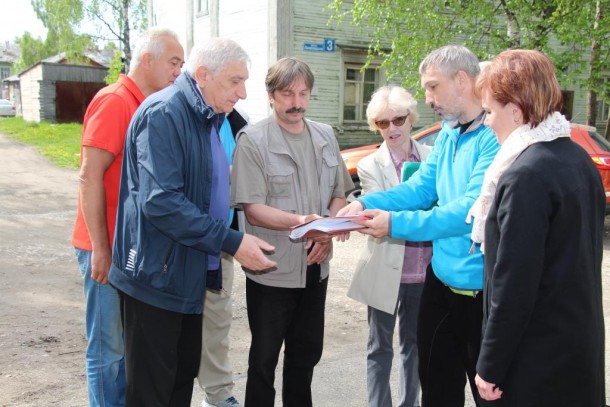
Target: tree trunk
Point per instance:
(512, 26)
(591, 108)
(125, 34)
(593, 79)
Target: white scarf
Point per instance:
(551, 128)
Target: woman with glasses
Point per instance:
(390, 273)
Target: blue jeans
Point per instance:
(380, 351)
(105, 348)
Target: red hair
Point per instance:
(525, 78)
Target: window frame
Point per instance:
(357, 59)
(5, 72)
(200, 10)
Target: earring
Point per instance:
(517, 121)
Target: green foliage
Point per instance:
(403, 32)
(59, 142)
(32, 51)
(119, 18)
(115, 69)
(62, 19)
(113, 19)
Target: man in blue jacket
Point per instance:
(450, 317)
(172, 223)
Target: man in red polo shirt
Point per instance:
(156, 63)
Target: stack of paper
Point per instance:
(327, 226)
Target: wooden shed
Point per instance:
(55, 91)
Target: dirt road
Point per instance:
(41, 302)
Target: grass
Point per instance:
(59, 142)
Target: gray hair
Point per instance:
(215, 54)
(394, 98)
(451, 59)
(150, 41)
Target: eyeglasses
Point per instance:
(397, 121)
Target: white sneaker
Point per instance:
(230, 402)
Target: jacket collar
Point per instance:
(193, 95)
(383, 157)
(453, 127)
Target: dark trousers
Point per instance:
(162, 353)
(449, 340)
(294, 317)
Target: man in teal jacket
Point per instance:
(449, 326)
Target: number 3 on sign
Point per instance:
(329, 44)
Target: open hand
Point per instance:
(251, 256)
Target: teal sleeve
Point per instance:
(448, 219)
(419, 192)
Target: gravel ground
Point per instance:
(42, 331)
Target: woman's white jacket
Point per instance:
(378, 271)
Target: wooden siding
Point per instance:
(271, 29)
(310, 25)
(30, 93)
(38, 93)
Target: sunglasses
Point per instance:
(398, 121)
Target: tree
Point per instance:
(404, 31)
(116, 68)
(114, 20)
(118, 18)
(32, 51)
(62, 19)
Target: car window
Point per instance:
(5, 102)
(599, 140)
(429, 139)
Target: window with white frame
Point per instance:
(5, 72)
(201, 7)
(358, 85)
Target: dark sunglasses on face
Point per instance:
(397, 121)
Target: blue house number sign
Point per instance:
(327, 46)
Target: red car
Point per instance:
(586, 136)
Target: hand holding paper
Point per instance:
(327, 226)
(378, 223)
(353, 208)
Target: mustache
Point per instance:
(295, 110)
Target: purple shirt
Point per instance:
(220, 192)
(417, 254)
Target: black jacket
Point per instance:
(543, 329)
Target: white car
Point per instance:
(7, 108)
